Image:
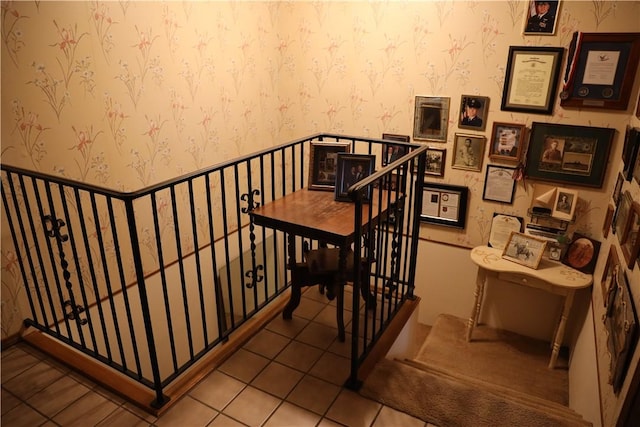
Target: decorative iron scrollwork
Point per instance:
(74, 314)
(254, 276)
(250, 199)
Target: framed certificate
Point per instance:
(531, 79)
(501, 227)
(600, 70)
(499, 185)
(444, 204)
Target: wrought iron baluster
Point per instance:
(253, 274)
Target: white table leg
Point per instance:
(557, 341)
(475, 312)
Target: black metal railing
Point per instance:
(147, 282)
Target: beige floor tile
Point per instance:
(299, 356)
(314, 394)
(151, 419)
(313, 292)
(325, 422)
(90, 409)
(318, 335)
(309, 308)
(277, 379)
(244, 365)
(188, 412)
(267, 343)
(332, 368)
(32, 380)
(223, 421)
(121, 417)
(343, 348)
(57, 396)
(15, 361)
(328, 317)
(288, 415)
(389, 417)
(252, 406)
(9, 401)
(217, 390)
(22, 416)
(289, 328)
(353, 410)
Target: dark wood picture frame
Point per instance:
(435, 161)
(431, 118)
(630, 243)
(611, 269)
(349, 167)
(608, 220)
(392, 152)
(323, 160)
(468, 152)
(524, 64)
(568, 154)
(470, 104)
(601, 70)
(630, 151)
(507, 141)
(499, 185)
(444, 204)
(621, 217)
(582, 253)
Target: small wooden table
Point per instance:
(317, 215)
(550, 276)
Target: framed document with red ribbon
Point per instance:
(601, 68)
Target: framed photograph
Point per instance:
(468, 152)
(352, 168)
(582, 253)
(435, 162)
(608, 220)
(618, 188)
(499, 185)
(507, 140)
(564, 205)
(601, 68)
(392, 152)
(568, 154)
(542, 17)
(444, 204)
(526, 64)
(524, 249)
(608, 274)
(630, 243)
(630, 151)
(636, 170)
(431, 118)
(621, 218)
(501, 227)
(323, 160)
(473, 112)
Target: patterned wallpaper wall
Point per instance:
(126, 94)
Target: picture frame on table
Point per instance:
(564, 205)
(323, 161)
(541, 18)
(611, 269)
(601, 69)
(352, 168)
(507, 140)
(582, 253)
(473, 112)
(526, 64)
(524, 249)
(444, 204)
(501, 227)
(499, 185)
(468, 152)
(435, 161)
(392, 152)
(630, 243)
(569, 154)
(630, 150)
(431, 118)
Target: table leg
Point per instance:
(342, 280)
(475, 312)
(557, 341)
(296, 288)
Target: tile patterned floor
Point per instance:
(289, 374)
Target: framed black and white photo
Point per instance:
(499, 185)
(351, 169)
(392, 152)
(568, 154)
(323, 160)
(435, 161)
(468, 152)
(431, 118)
(507, 141)
(444, 204)
(564, 205)
(473, 112)
(541, 17)
(524, 249)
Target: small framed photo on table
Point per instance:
(351, 169)
(323, 161)
(473, 112)
(524, 249)
(564, 205)
(582, 253)
(468, 152)
(507, 140)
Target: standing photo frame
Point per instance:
(323, 160)
(582, 253)
(575, 155)
(524, 249)
(352, 168)
(499, 185)
(392, 152)
(564, 205)
(473, 112)
(601, 69)
(524, 65)
(541, 18)
(444, 204)
(468, 152)
(507, 140)
(431, 118)
(435, 162)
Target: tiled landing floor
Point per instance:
(290, 374)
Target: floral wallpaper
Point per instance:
(130, 93)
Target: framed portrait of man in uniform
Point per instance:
(473, 112)
(541, 17)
